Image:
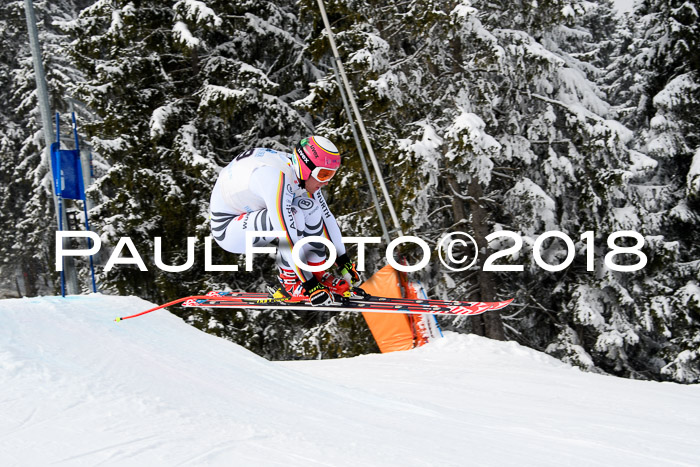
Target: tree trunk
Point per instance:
(459, 213)
(491, 321)
(30, 276)
(488, 324)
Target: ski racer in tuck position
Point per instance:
(264, 190)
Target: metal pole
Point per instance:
(368, 175)
(358, 116)
(84, 197)
(42, 92)
(43, 98)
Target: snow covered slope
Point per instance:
(79, 389)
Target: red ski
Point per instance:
(371, 304)
(361, 296)
(356, 304)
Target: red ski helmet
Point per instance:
(316, 157)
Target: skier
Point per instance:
(265, 190)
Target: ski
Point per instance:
(265, 298)
(263, 301)
(372, 304)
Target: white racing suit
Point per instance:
(259, 191)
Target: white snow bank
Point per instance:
(80, 389)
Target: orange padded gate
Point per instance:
(391, 331)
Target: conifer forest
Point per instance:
(485, 116)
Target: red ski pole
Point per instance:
(174, 302)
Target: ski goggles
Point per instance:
(323, 174)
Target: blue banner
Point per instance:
(71, 180)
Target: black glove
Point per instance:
(348, 270)
(319, 295)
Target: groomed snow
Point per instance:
(81, 389)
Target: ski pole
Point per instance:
(232, 298)
(174, 302)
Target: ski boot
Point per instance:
(292, 289)
(289, 288)
(336, 285)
